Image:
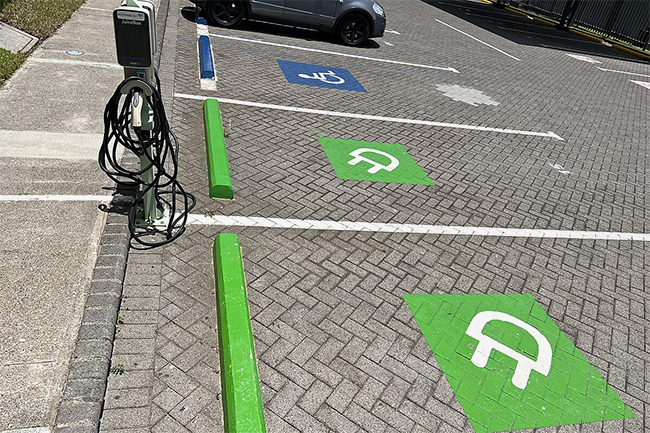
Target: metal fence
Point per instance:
(625, 20)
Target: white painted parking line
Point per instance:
(284, 223)
(395, 32)
(478, 40)
(622, 72)
(32, 197)
(74, 62)
(96, 9)
(51, 145)
(642, 83)
(371, 117)
(583, 58)
(28, 430)
(334, 53)
(312, 60)
(560, 169)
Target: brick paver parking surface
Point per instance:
(338, 348)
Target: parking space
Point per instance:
(432, 164)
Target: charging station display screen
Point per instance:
(132, 38)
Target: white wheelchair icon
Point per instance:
(324, 77)
(524, 364)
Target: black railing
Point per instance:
(624, 20)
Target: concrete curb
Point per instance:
(631, 51)
(16, 40)
(81, 405)
(241, 393)
(83, 398)
(515, 11)
(215, 147)
(615, 45)
(586, 35)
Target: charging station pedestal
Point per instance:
(135, 119)
(135, 39)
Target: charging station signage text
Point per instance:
(128, 15)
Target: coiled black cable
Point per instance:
(159, 147)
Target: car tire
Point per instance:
(354, 30)
(226, 13)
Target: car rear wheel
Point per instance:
(354, 30)
(226, 13)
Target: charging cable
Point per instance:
(158, 148)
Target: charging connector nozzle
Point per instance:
(136, 110)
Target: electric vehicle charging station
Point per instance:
(135, 39)
(138, 122)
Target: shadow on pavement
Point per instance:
(189, 13)
(123, 198)
(525, 31)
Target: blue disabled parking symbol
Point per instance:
(321, 76)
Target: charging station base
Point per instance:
(161, 220)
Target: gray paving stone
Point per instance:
(167, 399)
(88, 368)
(192, 405)
(125, 418)
(285, 399)
(134, 397)
(277, 424)
(335, 420)
(131, 379)
(93, 348)
(77, 411)
(99, 315)
(86, 390)
(177, 380)
(338, 350)
(134, 346)
(169, 424)
(77, 429)
(204, 424)
(303, 421)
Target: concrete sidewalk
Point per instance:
(51, 124)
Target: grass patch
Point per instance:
(9, 62)
(40, 18)
(3, 3)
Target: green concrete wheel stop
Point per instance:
(241, 393)
(215, 146)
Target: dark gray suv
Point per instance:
(353, 21)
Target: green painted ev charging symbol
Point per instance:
(375, 162)
(510, 366)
